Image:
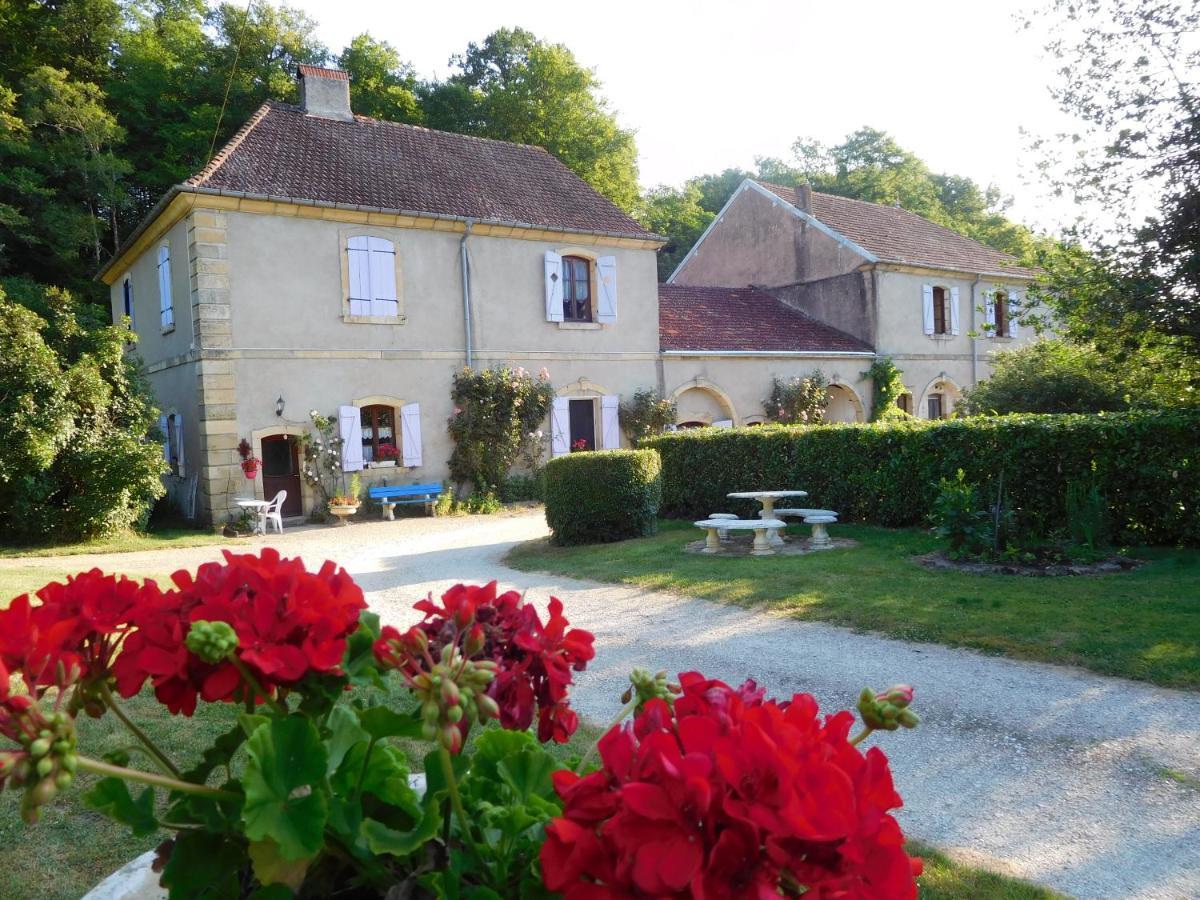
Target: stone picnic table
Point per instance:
(767, 499)
(762, 529)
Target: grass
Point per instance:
(1143, 624)
(945, 879)
(124, 542)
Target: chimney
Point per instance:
(325, 93)
(804, 197)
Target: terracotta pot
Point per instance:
(342, 511)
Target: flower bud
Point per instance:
(450, 693)
(451, 738)
(488, 708)
(63, 780)
(429, 731)
(45, 766)
(473, 645)
(213, 642)
(454, 714)
(899, 695)
(39, 748)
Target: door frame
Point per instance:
(307, 498)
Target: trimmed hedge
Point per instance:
(606, 495)
(1147, 465)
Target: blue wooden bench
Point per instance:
(389, 495)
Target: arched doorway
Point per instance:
(940, 399)
(844, 405)
(699, 403)
(281, 471)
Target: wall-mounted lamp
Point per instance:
(279, 406)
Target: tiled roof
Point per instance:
(282, 152)
(898, 236)
(741, 319)
(319, 72)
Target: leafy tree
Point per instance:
(381, 84)
(515, 87)
(887, 386)
(677, 214)
(1049, 376)
(76, 461)
(798, 401)
(646, 414)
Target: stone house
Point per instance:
(934, 301)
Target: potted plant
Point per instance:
(345, 505)
(386, 457)
(711, 790)
(250, 463)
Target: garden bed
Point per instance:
(1048, 568)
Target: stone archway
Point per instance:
(701, 401)
(941, 394)
(844, 404)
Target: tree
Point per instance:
(1129, 76)
(77, 460)
(646, 414)
(515, 87)
(381, 84)
(1049, 376)
(677, 214)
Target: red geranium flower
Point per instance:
(729, 796)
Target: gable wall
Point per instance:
(754, 242)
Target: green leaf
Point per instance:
(385, 776)
(219, 754)
(205, 866)
(382, 839)
(270, 868)
(250, 722)
(345, 733)
(381, 722)
(528, 773)
(285, 799)
(273, 892)
(111, 797)
(359, 662)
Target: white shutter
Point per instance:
(560, 426)
(1013, 310)
(383, 277)
(606, 282)
(358, 254)
(127, 290)
(989, 309)
(723, 423)
(610, 424)
(162, 426)
(954, 310)
(165, 306)
(927, 307)
(554, 287)
(350, 431)
(410, 427)
(179, 443)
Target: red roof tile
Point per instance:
(282, 152)
(741, 319)
(898, 236)
(319, 72)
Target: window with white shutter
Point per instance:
(350, 431)
(553, 268)
(610, 425)
(606, 289)
(165, 306)
(410, 422)
(954, 310)
(927, 308)
(560, 426)
(1013, 310)
(371, 277)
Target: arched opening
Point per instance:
(844, 405)
(703, 403)
(940, 399)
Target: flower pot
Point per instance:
(249, 473)
(382, 464)
(342, 511)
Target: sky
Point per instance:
(709, 85)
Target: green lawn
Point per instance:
(1143, 624)
(944, 879)
(125, 542)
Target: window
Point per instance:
(935, 406)
(577, 289)
(378, 432)
(372, 268)
(1000, 314)
(905, 402)
(939, 311)
(173, 431)
(165, 306)
(127, 296)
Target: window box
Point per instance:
(382, 464)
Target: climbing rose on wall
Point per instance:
(730, 795)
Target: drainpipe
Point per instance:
(974, 335)
(466, 283)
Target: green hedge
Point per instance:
(606, 495)
(1146, 464)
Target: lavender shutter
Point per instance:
(554, 287)
(606, 282)
(383, 277)
(927, 308)
(358, 254)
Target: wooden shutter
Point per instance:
(560, 426)
(410, 429)
(927, 307)
(989, 309)
(610, 423)
(954, 310)
(358, 252)
(350, 431)
(383, 277)
(606, 285)
(165, 306)
(1012, 313)
(162, 426)
(554, 287)
(179, 465)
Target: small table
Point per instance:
(259, 506)
(767, 499)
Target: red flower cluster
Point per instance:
(289, 622)
(730, 796)
(73, 633)
(534, 659)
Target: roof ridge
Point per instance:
(230, 145)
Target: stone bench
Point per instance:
(818, 519)
(722, 533)
(760, 527)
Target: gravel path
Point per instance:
(1045, 772)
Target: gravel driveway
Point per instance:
(1045, 772)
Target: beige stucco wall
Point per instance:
(153, 344)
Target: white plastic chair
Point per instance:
(272, 513)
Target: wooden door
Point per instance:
(281, 471)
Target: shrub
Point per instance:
(80, 455)
(958, 517)
(497, 413)
(798, 401)
(1048, 377)
(1144, 463)
(1087, 514)
(608, 495)
(517, 488)
(887, 383)
(645, 415)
